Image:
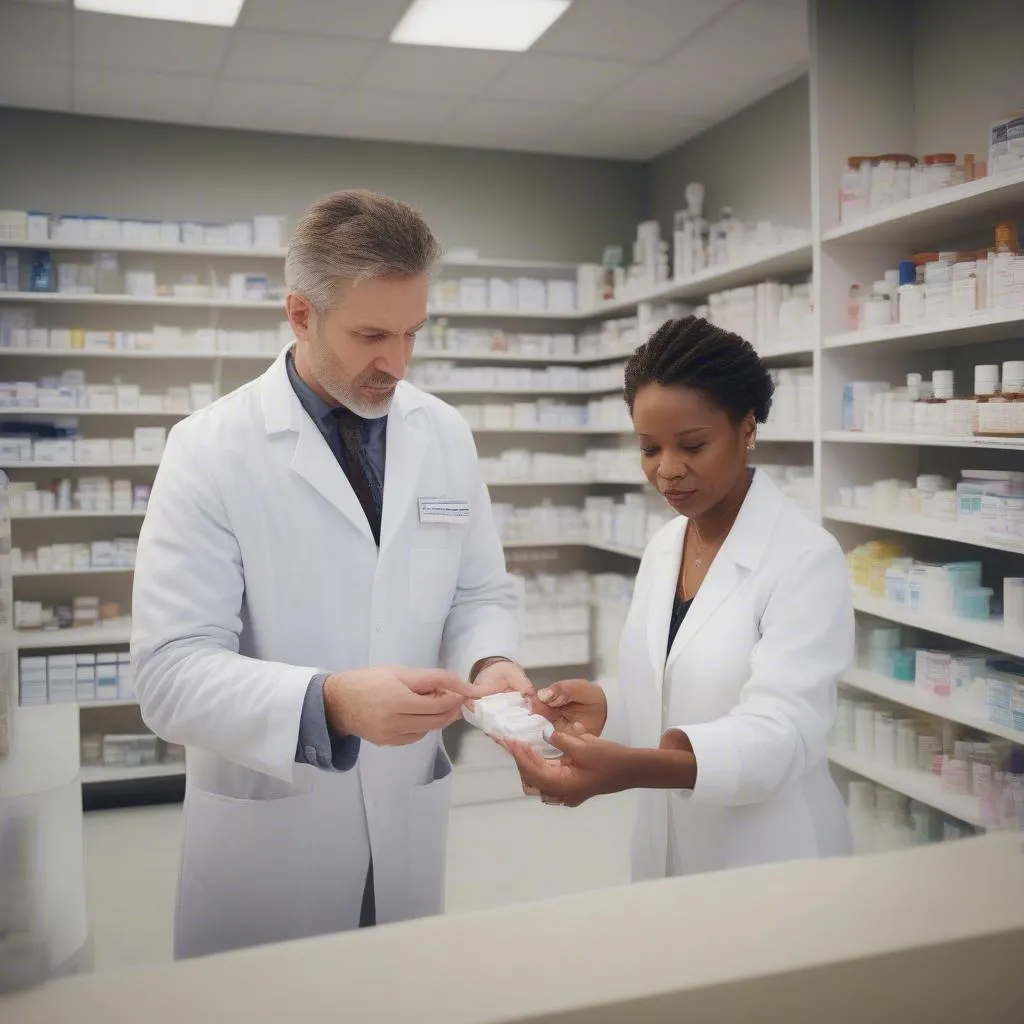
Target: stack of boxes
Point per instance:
(83, 677)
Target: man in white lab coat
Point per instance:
(317, 544)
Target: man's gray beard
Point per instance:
(346, 395)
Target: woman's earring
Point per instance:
(750, 446)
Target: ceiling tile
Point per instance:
(135, 94)
(622, 135)
(754, 39)
(32, 30)
(508, 124)
(432, 70)
(25, 83)
(144, 44)
(644, 31)
(388, 115)
(538, 76)
(364, 19)
(273, 106)
(286, 57)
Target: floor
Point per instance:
(500, 852)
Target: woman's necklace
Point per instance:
(698, 558)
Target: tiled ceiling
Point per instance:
(625, 79)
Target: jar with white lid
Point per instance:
(878, 307)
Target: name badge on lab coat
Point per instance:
(443, 510)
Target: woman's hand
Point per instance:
(573, 702)
(591, 767)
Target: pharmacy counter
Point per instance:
(932, 934)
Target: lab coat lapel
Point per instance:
(407, 444)
(312, 459)
(663, 589)
(738, 557)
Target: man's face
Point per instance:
(359, 350)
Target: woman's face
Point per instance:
(690, 449)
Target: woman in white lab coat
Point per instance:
(740, 625)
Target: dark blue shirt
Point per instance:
(318, 744)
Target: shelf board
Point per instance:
(254, 253)
(52, 573)
(517, 357)
(441, 392)
(247, 252)
(920, 526)
(459, 313)
(918, 785)
(551, 542)
(98, 774)
(46, 516)
(908, 695)
(616, 549)
(118, 702)
(8, 466)
(992, 636)
(781, 261)
(62, 298)
(773, 356)
(990, 325)
(562, 482)
(766, 435)
(586, 431)
(927, 218)
(75, 413)
(1010, 444)
(92, 636)
(536, 665)
(78, 353)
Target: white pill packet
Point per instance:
(507, 716)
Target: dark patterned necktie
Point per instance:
(350, 433)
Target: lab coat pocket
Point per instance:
(433, 576)
(428, 827)
(231, 848)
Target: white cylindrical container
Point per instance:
(1013, 376)
(942, 383)
(1013, 602)
(864, 730)
(986, 379)
(914, 386)
(906, 745)
(885, 737)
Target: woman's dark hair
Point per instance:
(693, 353)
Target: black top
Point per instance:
(680, 606)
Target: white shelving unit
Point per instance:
(920, 786)
(98, 774)
(906, 105)
(926, 440)
(921, 526)
(907, 695)
(112, 570)
(992, 636)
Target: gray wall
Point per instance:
(968, 72)
(505, 204)
(758, 162)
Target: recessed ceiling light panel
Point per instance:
(198, 12)
(478, 24)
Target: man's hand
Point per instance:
(496, 675)
(573, 701)
(591, 767)
(393, 706)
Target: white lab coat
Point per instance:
(751, 679)
(256, 570)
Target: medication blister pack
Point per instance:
(507, 716)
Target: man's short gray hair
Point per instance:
(353, 235)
